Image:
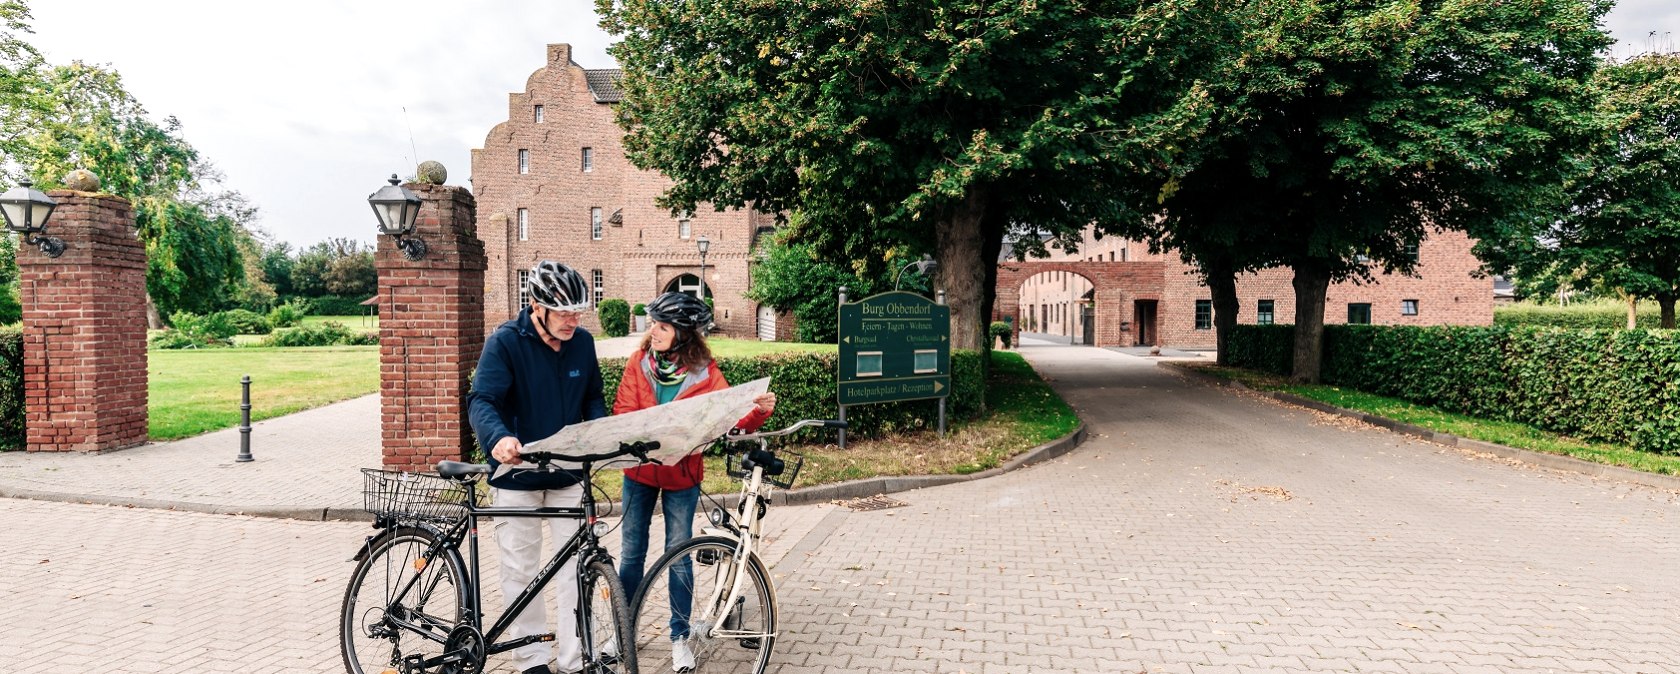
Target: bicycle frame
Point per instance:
(745, 545)
(582, 542)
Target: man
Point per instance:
(538, 373)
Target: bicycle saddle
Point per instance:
(455, 470)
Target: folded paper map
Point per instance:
(681, 427)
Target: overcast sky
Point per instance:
(302, 103)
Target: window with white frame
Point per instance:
(537, 114)
(598, 284)
(1204, 314)
(595, 223)
(1408, 307)
(524, 161)
(524, 224)
(684, 229)
(524, 287)
(1266, 312)
(588, 159)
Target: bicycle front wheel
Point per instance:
(608, 622)
(400, 604)
(684, 604)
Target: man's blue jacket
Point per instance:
(525, 389)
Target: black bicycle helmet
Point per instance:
(680, 310)
(558, 287)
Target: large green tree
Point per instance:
(938, 125)
(1351, 128)
(64, 117)
(1624, 228)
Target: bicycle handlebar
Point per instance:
(637, 449)
(807, 423)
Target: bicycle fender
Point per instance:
(374, 540)
(720, 533)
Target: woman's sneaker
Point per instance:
(682, 659)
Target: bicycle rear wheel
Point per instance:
(400, 604)
(686, 594)
(608, 622)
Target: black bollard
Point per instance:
(245, 420)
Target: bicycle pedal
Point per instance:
(751, 644)
(707, 557)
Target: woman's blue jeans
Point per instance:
(679, 526)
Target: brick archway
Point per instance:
(1115, 285)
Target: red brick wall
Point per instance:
(1117, 286)
(84, 329)
(1445, 288)
(431, 331)
(637, 257)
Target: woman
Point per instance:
(673, 363)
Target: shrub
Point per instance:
(1002, 331)
(11, 388)
(1267, 348)
(805, 384)
(638, 310)
(248, 322)
(330, 333)
(215, 326)
(615, 317)
(173, 338)
(288, 315)
(333, 305)
(1616, 386)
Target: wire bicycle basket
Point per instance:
(412, 496)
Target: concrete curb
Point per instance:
(1559, 462)
(801, 496)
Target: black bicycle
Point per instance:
(414, 607)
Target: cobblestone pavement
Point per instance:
(1198, 530)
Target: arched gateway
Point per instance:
(1125, 300)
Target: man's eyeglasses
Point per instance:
(566, 316)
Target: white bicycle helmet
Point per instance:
(558, 287)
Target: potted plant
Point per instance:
(640, 312)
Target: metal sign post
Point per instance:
(842, 417)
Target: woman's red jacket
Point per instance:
(635, 392)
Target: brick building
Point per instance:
(552, 182)
(1155, 299)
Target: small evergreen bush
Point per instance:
(615, 317)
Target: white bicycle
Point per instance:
(713, 591)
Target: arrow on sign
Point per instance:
(847, 340)
(937, 387)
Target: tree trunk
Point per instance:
(1311, 284)
(1633, 312)
(1667, 304)
(154, 319)
(959, 243)
(1222, 283)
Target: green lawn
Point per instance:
(1508, 433)
(194, 391)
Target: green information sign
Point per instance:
(894, 346)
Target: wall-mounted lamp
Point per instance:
(398, 209)
(922, 267)
(26, 210)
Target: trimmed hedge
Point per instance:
(334, 305)
(1620, 386)
(11, 388)
(805, 387)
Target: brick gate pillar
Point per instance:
(431, 330)
(84, 329)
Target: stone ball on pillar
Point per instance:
(431, 173)
(81, 180)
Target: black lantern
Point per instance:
(26, 210)
(922, 267)
(398, 209)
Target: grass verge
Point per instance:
(193, 391)
(1508, 433)
(1024, 413)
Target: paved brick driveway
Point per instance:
(1199, 530)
